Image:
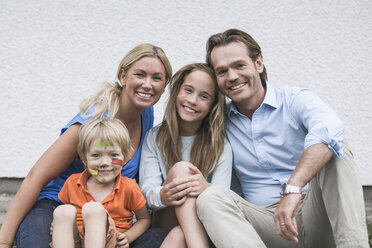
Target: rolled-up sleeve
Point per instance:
(322, 123)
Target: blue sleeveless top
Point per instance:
(51, 190)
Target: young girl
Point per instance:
(141, 78)
(193, 129)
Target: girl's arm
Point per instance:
(142, 224)
(221, 174)
(223, 171)
(151, 175)
(52, 163)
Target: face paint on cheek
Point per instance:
(93, 171)
(117, 162)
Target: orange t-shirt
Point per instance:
(125, 198)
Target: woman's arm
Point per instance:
(52, 163)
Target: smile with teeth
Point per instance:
(188, 109)
(237, 86)
(144, 95)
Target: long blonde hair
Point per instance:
(210, 138)
(107, 98)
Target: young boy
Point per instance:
(98, 203)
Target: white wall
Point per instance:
(55, 53)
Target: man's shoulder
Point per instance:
(289, 89)
(287, 93)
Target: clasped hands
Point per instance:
(176, 191)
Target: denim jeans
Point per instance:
(152, 238)
(34, 231)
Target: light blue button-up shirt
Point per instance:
(267, 148)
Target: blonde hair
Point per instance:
(109, 130)
(107, 98)
(210, 138)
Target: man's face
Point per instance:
(237, 75)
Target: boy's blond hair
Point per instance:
(106, 130)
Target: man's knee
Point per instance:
(209, 198)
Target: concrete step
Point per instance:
(5, 200)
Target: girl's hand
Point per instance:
(199, 184)
(174, 193)
(121, 240)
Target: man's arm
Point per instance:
(311, 161)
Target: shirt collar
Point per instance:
(83, 178)
(270, 96)
(270, 99)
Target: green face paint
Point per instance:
(93, 172)
(105, 143)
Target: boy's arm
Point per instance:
(142, 224)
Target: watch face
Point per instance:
(282, 189)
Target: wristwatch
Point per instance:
(290, 189)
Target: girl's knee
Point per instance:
(180, 169)
(93, 209)
(64, 212)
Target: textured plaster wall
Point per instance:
(55, 53)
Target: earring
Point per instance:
(119, 83)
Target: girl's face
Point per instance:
(194, 101)
(104, 161)
(144, 82)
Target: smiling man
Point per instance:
(298, 177)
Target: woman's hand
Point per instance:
(174, 193)
(121, 240)
(199, 184)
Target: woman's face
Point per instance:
(144, 82)
(195, 99)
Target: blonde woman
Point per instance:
(192, 130)
(141, 78)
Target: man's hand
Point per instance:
(121, 240)
(199, 184)
(284, 217)
(174, 193)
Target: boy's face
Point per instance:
(104, 161)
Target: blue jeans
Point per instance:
(152, 238)
(34, 231)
